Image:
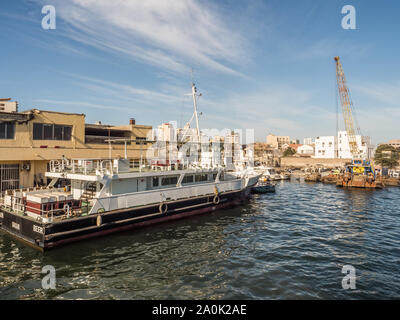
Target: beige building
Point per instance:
(6, 105)
(277, 141)
(265, 154)
(30, 139)
(394, 143)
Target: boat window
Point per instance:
(187, 179)
(201, 177)
(155, 182)
(169, 181)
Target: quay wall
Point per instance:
(302, 162)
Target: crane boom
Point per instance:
(347, 106)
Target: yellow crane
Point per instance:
(359, 173)
(347, 109)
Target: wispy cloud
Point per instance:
(323, 48)
(387, 94)
(81, 105)
(122, 91)
(167, 34)
(279, 109)
(116, 96)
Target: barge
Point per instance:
(360, 174)
(107, 196)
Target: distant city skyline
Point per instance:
(264, 65)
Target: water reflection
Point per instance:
(291, 244)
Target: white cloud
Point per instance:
(386, 93)
(279, 109)
(165, 33)
(81, 104)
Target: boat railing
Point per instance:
(14, 201)
(82, 166)
(120, 201)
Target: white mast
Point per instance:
(194, 93)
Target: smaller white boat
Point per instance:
(284, 176)
(271, 174)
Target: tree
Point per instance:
(387, 156)
(289, 152)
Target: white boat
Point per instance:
(107, 196)
(269, 173)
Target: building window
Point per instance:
(43, 131)
(140, 140)
(7, 130)
(9, 177)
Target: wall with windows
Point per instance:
(325, 147)
(363, 143)
(51, 135)
(7, 130)
(46, 129)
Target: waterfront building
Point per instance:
(277, 141)
(6, 105)
(394, 143)
(325, 147)
(233, 152)
(165, 132)
(309, 141)
(306, 150)
(29, 140)
(363, 142)
(264, 154)
(294, 146)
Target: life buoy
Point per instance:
(216, 199)
(163, 208)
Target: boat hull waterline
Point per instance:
(44, 236)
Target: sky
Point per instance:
(262, 65)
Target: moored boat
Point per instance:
(263, 186)
(360, 174)
(106, 196)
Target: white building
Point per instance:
(363, 144)
(165, 132)
(325, 147)
(306, 150)
(6, 105)
(187, 134)
(308, 141)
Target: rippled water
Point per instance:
(292, 244)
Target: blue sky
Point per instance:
(266, 65)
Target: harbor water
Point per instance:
(289, 245)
